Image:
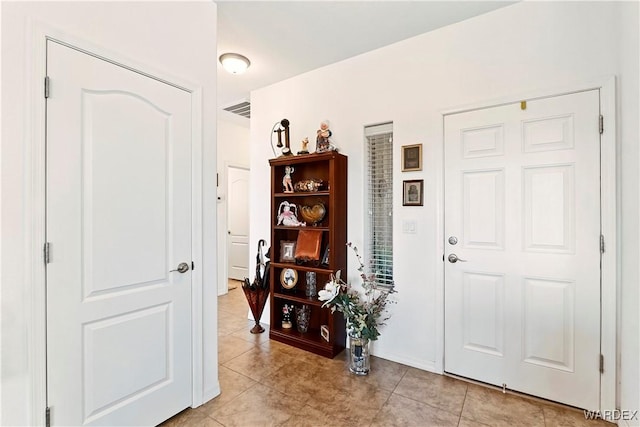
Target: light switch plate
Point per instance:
(409, 227)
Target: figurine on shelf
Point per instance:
(287, 310)
(304, 150)
(322, 139)
(286, 180)
(288, 215)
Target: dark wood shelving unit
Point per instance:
(331, 168)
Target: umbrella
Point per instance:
(257, 291)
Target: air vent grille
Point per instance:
(242, 109)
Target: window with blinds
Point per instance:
(379, 142)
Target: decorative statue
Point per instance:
(286, 180)
(322, 138)
(288, 215)
(287, 311)
(304, 150)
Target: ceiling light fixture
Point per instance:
(234, 62)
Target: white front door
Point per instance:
(522, 212)
(238, 222)
(118, 220)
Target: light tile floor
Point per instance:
(266, 383)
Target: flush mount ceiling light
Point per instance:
(234, 62)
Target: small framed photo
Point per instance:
(288, 278)
(412, 192)
(325, 256)
(411, 158)
(324, 332)
(287, 251)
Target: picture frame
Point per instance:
(325, 256)
(324, 332)
(287, 251)
(413, 192)
(288, 278)
(411, 158)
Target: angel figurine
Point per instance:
(288, 215)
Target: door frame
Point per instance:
(222, 225)
(608, 217)
(35, 205)
(226, 211)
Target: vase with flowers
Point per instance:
(364, 310)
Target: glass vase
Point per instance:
(359, 355)
(302, 318)
(310, 290)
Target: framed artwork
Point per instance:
(288, 278)
(325, 256)
(287, 251)
(411, 158)
(412, 192)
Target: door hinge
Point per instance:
(601, 124)
(601, 244)
(47, 252)
(46, 87)
(601, 364)
(47, 416)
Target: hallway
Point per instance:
(266, 383)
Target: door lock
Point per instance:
(183, 267)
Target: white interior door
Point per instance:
(118, 220)
(238, 222)
(522, 199)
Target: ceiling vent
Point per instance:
(242, 109)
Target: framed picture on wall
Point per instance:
(412, 192)
(411, 158)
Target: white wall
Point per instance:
(629, 207)
(529, 46)
(233, 150)
(175, 38)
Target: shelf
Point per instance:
(307, 227)
(310, 340)
(321, 269)
(301, 299)
(303, 194)
(307, 158)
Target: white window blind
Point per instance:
(379, 141)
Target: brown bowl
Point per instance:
(313, 214)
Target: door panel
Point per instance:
(238, 222)
(118, 220)
(522, 307)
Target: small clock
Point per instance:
(288, 278)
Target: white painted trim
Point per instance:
(609, 226)
(609, 198)
(197, 237)
(439, 262)
(35, 210)
(211, 393)
(35, 219)
(408, 361)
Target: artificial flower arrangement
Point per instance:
(365, 312)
